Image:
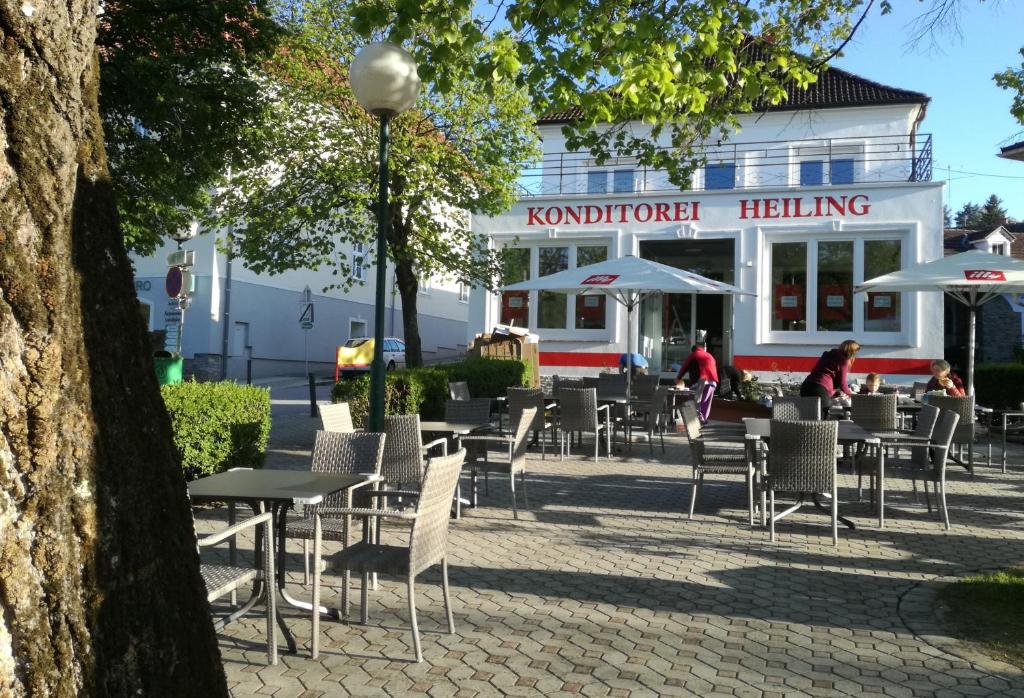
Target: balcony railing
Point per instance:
(743, 165)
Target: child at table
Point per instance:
(872, 382)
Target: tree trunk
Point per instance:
(100, 592)
(405, 274)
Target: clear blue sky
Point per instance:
(969, 116)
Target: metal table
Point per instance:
(281, 490)
(850, 434)
(455, 430)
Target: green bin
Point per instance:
(169, 367)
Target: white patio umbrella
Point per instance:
(973, 278)
(627, 280)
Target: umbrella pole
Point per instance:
(970, 346)
(629, 348)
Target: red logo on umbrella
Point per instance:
(984, 275)
(600, 279)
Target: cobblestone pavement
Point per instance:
(605, 588)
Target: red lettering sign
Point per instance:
(599, 279)
(984, 275)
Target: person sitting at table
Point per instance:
(872, 382)
(831, 374)
(640, 364)
(707, 376)
(730, 378)
(943, 378)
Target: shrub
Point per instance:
(1000, 386)
(218, 426)
(424, 390)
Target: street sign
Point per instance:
(178, 283)
(306, 317)
(181, 258)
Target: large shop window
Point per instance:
(813, 281)
(552, 307)
(515, 305)
(590, 309)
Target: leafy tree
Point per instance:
(99, 577)
(454, 153)
(1013, 80)
(682, 69)
(968, 216)
(176, 94)
(992, 213)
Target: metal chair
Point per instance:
(965, 433)
(222, 579)
(473, 411)
(795, 408)
(918, 390)
(428, 542)
(649, 420)
(611, 384)
(874, 412)
(579, 412)
(802, 459)
(730, 454)
(459, 390)
(522, 398)
(330, 520)
(512, 461)
(336, 417)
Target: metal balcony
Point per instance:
(743, 165)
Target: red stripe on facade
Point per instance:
(804, 364)
(589, 359)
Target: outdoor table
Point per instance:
(454, 430)
(850, 434)
(280, 489)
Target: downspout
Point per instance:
(226, 310)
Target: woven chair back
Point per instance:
(403, 456)
(802, 456)
(520, 399)
(964, 407)
(475, 411)
(793, 408)
(612, 384)
(578, 409)
(335, 452)
(657, 407)
(336, 417)
(567, 383)
(520, 437)
(874, 412)
(926, 418)
(428, 540)
(459, 390)
(644, 386)
(590, 382)
(691, 419)
(942, 437)
(918, 390)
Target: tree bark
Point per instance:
(408, 290)
(100, 592)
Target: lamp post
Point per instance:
(385, 83)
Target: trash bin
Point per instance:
(168, 366)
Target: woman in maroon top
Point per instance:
(943, 378)
(831, 374)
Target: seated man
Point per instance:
(639, 364)
(943, 378)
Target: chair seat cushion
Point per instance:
(724, 468)
(371, 557)
(223, 579)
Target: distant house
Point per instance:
(1013, 152)
(1000, 322)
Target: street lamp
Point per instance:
(384, 80)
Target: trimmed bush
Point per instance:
(424, 390)
(999, 386)
(218, 426)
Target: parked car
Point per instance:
(356, 355)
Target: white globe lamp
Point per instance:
(384, 79)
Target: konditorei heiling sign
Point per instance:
(786, 207)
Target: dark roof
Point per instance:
(834, 88)
(962, 239)
(1014, 149)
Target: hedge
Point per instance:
(1000, 386)
(218, 426)
(424, 390)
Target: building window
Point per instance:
(463, 292)
(720, 176)
(789, 286)
(515, 305)
(597, 182)
(841, 171)
(591, 309)
(835, 286)
(622, 181)
(999, 249)
(358, 261)
(812, 173)
(884, 309)
(552, 308)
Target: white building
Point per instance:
(814, 195)
(260, 322)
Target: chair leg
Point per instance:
(940, 487)
(597, 445)
(512, 483)
(305, 561)
(771, 515)
(543, 441)
(487, 484)
(927, 499)
(474, 487)
(314, 642)
(698, 479)
(364, 593)
(522, 483)
(750, 497)
(835, 515)
(447, 596)
(412, 616)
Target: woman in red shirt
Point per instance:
(943, 378)
(831, 374)
(707, 376)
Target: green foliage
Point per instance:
(988, 608)
(424, 390)
(218, 426)
(1013, 80)
(987, 216)
(1000, 386)
(752, 390)
(176, 99)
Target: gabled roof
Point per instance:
(834, 88)
(1013, 152)
(963, 239)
